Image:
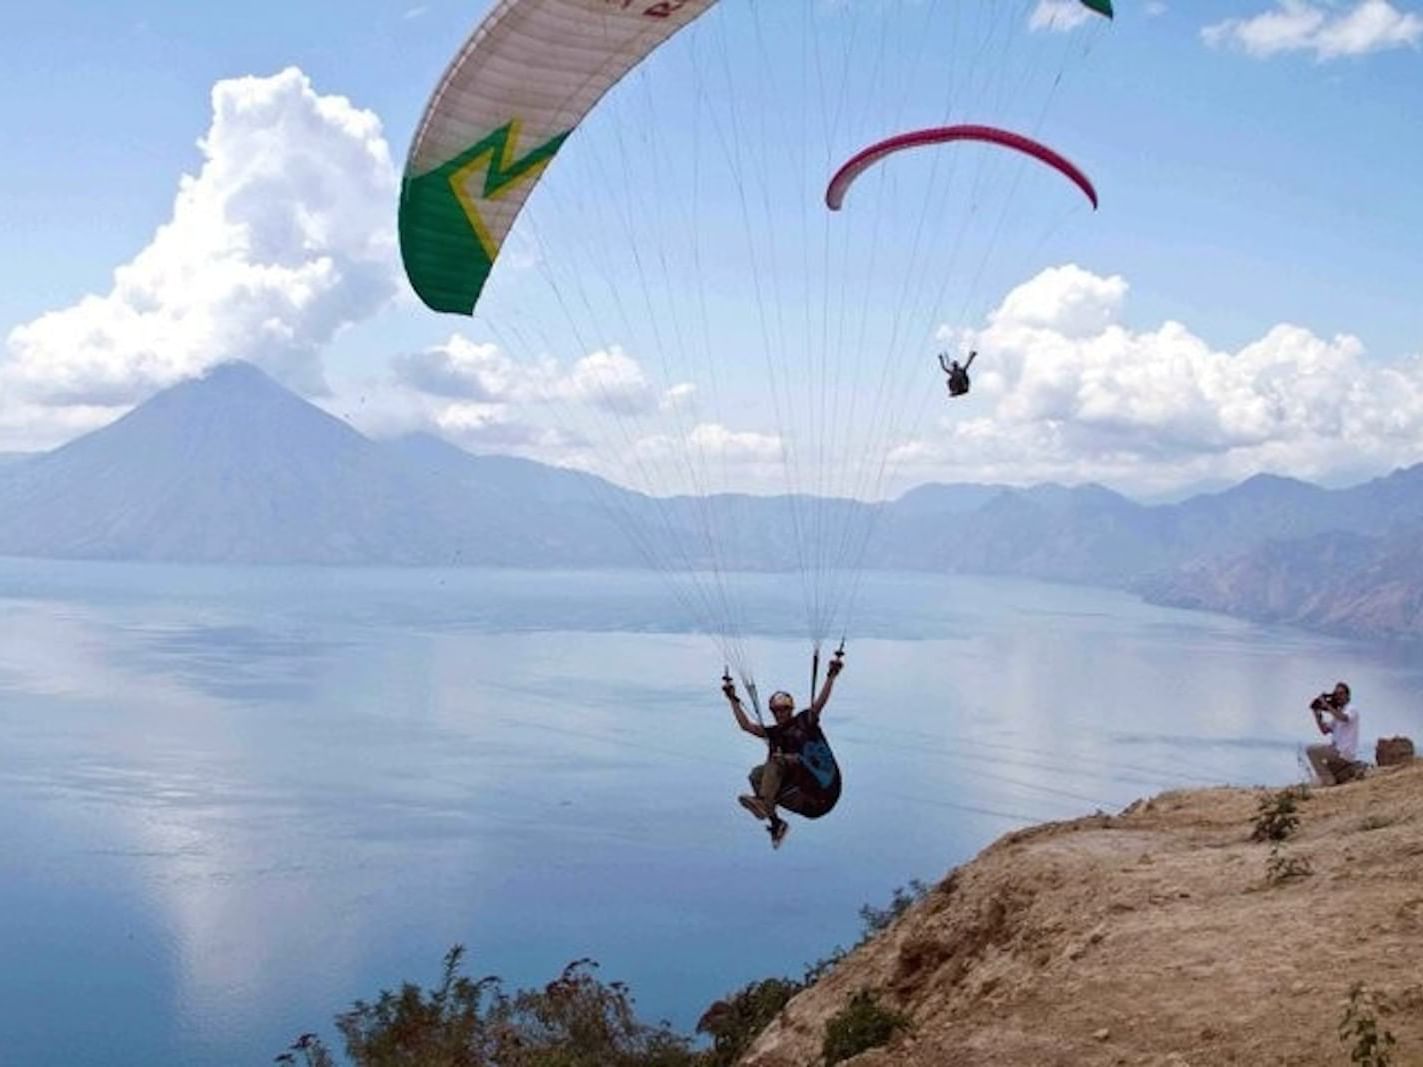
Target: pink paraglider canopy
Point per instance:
(863, 160)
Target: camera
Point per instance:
(1323, 702)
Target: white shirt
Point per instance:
(1345, 733)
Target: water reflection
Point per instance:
(232, 801)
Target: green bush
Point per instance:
(574, 1021)
(862, 1024)
(456, 1024)
(734, 1023)
(1277, 816)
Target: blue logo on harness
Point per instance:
(818, 759)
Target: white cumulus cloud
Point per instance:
(283, 237)
(497, 427)
(1327, 31)
(475, 393)
(1064, 390)
(608, 380)
(1071, 301)
(601, 412)
(678, 397)
(469, 370)
(714, 439)
(612, 380)
(714, 456)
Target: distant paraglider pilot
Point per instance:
(958, 383)
(800, 773)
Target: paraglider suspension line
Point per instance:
(814, 671)
(755, 699)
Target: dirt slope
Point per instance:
(1151, 938)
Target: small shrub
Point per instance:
(1281, 868)
(1375, 822)
(1369, 1046)
(313, 1053)
(878, 920)
(734, 1023)
(445, 1026)
(861, 1025)
(578, 1021)
(1277, 816)
(814, 972)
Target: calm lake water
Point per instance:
(234, 800)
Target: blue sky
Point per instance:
(1251, 179)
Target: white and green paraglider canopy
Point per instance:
(526, 77)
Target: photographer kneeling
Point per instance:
(1335, 761)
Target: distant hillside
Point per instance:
(1084, 534)
(1342, 582)
(1154, 937)
(234, 468)
(1091, 534)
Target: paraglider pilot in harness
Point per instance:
(958, 383)
(800, 773)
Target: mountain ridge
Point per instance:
(234, 468)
